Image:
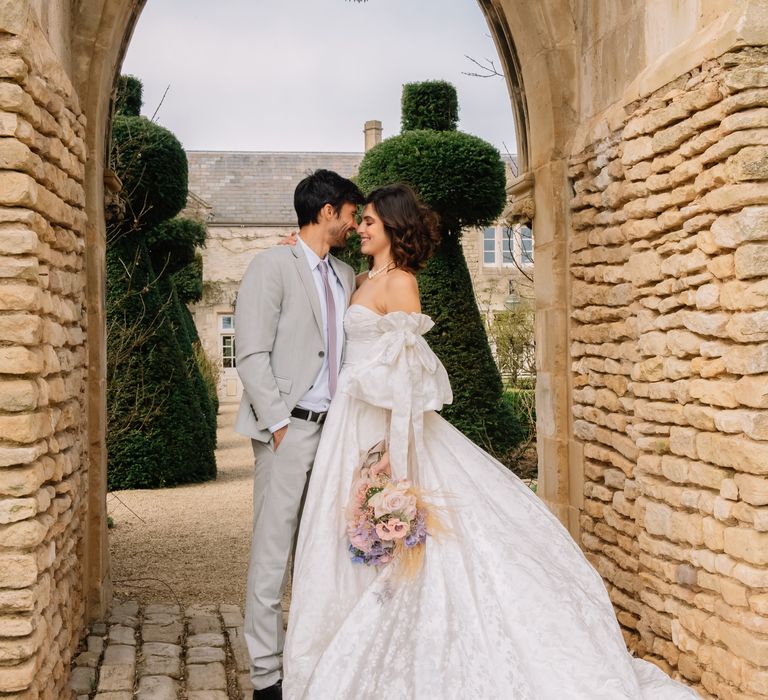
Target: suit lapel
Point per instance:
(309, 285)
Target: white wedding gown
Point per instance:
(506, 606)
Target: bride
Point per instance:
(504, 605)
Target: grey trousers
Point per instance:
(279, 484)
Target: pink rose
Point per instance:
(395, 502)
(375, 501)
(393, 529)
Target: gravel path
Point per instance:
(193, 539)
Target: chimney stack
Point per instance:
(372, 131)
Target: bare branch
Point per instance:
(113, 495)
(512, 159)
(488, 68)
(510, 233)
(162, 99)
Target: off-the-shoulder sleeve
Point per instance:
(404, 376)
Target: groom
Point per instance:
(289, 338)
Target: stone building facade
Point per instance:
(500, 261)
(641, 142)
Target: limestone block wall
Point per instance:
(42, 365)
(669, 347)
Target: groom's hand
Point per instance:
(291, 239)
(278, 435)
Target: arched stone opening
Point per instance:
(102, 70)
(651, 355)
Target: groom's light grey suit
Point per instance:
(280, 340)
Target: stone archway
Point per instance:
(97, 84)
(643, 143)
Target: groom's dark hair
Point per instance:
(320, 188)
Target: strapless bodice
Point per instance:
(363, 327)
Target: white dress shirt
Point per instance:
(318, 398)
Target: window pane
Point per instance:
(507, 244)
(489, 246)
(526, 244)
(489, 234)
(227, 323)
(228, 351)
(489, 258)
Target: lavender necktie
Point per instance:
(330, 308)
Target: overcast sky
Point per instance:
(304, 75)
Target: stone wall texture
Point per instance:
(42, 366)
(669, 347)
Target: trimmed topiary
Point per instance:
(157, 433)
(432, 104)
(172, 244)
(463, 179)
(162, 418)
(152, 166)
(460, 176)
(129, 96)
(183, 326)
(188, 281)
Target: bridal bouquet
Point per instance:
(387, 519)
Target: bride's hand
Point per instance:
(382, 466)
(291, 239)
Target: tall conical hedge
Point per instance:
(156, 433)
(172, 249)
(463, 179)
(162, 420)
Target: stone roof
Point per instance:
(257, 187)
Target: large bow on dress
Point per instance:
(404, 376)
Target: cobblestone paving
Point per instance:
(160, 652)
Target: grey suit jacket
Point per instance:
(279, 338)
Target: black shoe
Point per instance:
(274, 692)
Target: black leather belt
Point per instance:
(311, 416)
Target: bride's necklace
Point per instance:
(383, 268)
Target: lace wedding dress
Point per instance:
(505, 607)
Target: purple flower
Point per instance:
(411, 541)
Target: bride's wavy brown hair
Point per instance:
(411, 225)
